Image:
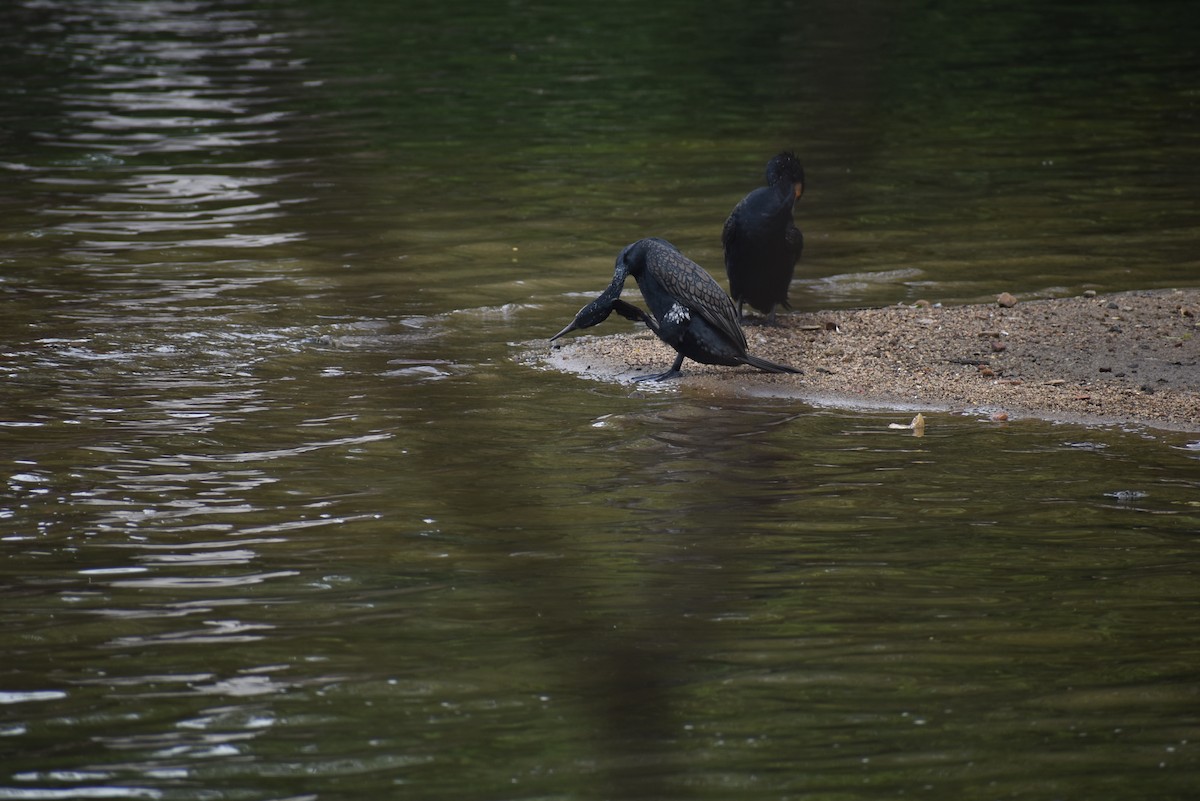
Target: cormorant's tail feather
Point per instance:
(770, 367)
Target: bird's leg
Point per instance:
(631, 312)
(674, 372)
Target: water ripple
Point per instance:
(164, 78)
(72, 793)
(31, 695)
(216, 631)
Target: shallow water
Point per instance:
(285, 515)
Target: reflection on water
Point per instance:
(281, 518)
(167, 103)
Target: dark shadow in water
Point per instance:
(628, 621)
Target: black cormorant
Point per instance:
(688, 309)
(762, 242)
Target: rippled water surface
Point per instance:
(286, 515)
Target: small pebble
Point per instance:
(998, 346)
(999, 417)
(1006, 300)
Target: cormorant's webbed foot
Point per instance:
(674, 372)
(667, 376)
(770, 318)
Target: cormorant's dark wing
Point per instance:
(689, 283)
(795, 241)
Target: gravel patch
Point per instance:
(1127, 358)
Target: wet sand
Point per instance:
(1127, 358)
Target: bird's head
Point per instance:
(786, 167)
(598, 310)
(594, 313)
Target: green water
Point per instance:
(285, 513)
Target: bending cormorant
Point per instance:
(688, 309)
(762, 242)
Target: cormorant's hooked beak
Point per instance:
(594, 313)
(598, 310)
(570, 327)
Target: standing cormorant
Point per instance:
(688, 309)
(762, 242)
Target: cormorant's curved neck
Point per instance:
(613, 290)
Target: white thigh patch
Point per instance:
(678, 314)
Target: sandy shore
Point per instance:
(1128, 358)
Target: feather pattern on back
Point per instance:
(683, 278)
